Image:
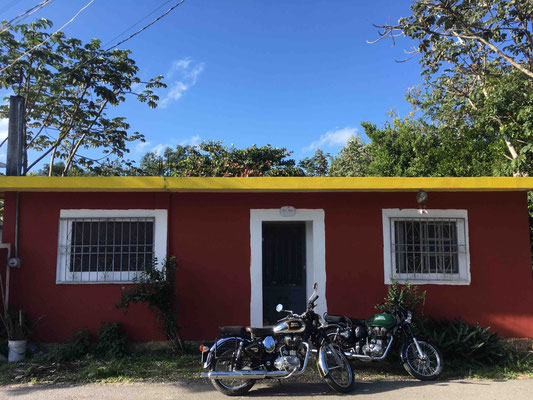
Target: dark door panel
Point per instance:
(284, 274)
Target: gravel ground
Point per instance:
(200, 390)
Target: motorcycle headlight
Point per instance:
(409, 317)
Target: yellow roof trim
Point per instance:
(281, 184)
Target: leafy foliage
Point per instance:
(214, 159)
(477, 64)
(68, 85)
(318, 165)
(404, 295)
(470, 344)
(112, 341)
(155, 288)
(77, 347)
(353, 160)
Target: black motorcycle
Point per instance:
(373, 338)
(245, 354)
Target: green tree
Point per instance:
(212, 158)
(68, 87)
(477, 64)
(412, 147)
(353, 160)
(318, 165)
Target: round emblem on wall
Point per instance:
(287, 211)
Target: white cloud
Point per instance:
(334, 138)
(192, 141)
(186, 72)
(4, 122)
(141, 146)
(160, 148)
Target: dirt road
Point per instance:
(199, 390)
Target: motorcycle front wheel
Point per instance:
(223, 362)
(426, 368)
(339, 374)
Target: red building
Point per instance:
(245, 244)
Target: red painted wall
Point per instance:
(210, 236)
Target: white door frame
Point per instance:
(315, 237)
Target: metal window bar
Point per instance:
(426, 248)
(90, 253)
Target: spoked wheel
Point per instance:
(339, 371)
(230, 387)
(426, 367)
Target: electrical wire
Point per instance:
(48, 38)
(136, 23)
(24, 15)
(146, 26)
(8, 6)
(77, 67)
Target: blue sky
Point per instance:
(292, 73)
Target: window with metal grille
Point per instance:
(111, 248)
(426, 248)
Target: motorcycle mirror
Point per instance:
(315, 287)
(279, 308)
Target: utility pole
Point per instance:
(15, 141)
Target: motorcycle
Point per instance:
(246, 354)
(373, 338)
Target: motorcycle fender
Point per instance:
(212, 353)
(403, 350)
(321, 363)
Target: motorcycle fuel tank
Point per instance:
(383, 320)
(290, 326)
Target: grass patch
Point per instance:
(135, 367)
(164, 367)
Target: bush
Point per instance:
(156, 289)
(406, 296)
(112, 341)
(471, 344)
(78, 346)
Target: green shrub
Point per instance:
(78, 346)
(156, 289)
(406, 295)
(112, 341)
(472, 344)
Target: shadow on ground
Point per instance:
(270, 389)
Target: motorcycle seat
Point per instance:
(341, 319)
(259, 332)
(232, 330)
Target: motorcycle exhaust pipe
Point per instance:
(234, 375)
(257, 374)
(246, 374)
(353, 355)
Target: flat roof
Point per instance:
(258, 184)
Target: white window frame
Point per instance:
(160, 242)
(462, 278)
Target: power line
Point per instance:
(146, 26)
(7, 7)
(137, 23)
(48, 38)
(129, 37)
(24, 15)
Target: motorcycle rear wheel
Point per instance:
(340, 376)
(229, 387)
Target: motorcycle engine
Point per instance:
(290, 354)
(287, 363)
(377, 337)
